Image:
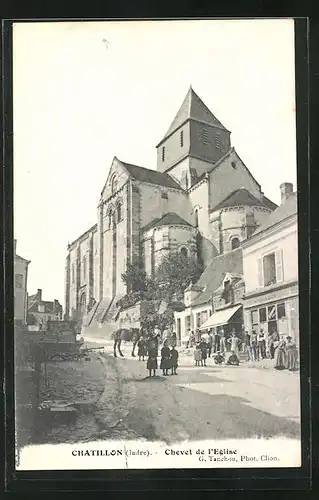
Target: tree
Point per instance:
(175, 273)
(135, 279)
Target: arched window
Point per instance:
(196, 217)
(84, 267)
(114, 184)
(111, 218)
(119, 211)
(184, 252)
(235, 243)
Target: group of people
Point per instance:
(148, 346)
(255, 346)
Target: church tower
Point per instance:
(195, 141)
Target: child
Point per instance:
(233, 359)
(174, 360)
(151, 364)
(165, 358)
(142, 351)
(204, 348)
(219, 358)
(197, 355)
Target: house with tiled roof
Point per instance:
(270, 264)
(20, 287)
(200, 200)
(41, 311)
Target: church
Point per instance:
(201, 188)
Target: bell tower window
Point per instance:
(163, 153)
(235, 243)
(114, 184)
(182, 138)
(196, 217)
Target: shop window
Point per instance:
(235, 243)
(197, 320)
(262, 315)
(19, 280)
(254, 317)
(271, 313)
(187, 323)
(204, 317)
(281, 311)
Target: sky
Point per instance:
(85, 92)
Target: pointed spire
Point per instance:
(193, 108)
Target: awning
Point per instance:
(220, 318)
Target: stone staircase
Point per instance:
(100, 311)
(89, 316)
(112, 312)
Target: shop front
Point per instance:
(273, 311)
(230, 319)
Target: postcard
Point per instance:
(156, 245)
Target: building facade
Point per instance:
(270, 259)
(20, 287)
(41, 311)
(201, 191)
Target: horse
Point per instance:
(119, 336)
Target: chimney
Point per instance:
(15, 247)
(39, 294)
(286, 190)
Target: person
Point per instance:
(233, 359)
(191, 339)
(213, 335)
(198, 335)
(219, 358)
(210, 344)
(280, 354)
(261, 344)
(142, 349)
(165, 358)
(158, 333)
(272, 342)
(253, 346)
(174, 339)
(217, 341)
(246, 345)
(204, 348)
(197, 355)
(174, 360)
(151, 364)
(222, 341)
(165, 335)
(234, 341)
(291, 354)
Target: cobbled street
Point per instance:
(213, 402)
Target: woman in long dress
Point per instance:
(292, 355)
(165, 358)
(280, 355)
(151, 364)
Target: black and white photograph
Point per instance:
(156, 284)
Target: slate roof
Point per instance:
(171, 218)
(151, 176)
(281, 213)
(231, 262)
(48, 307)
(193, 108)
(241, 197)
